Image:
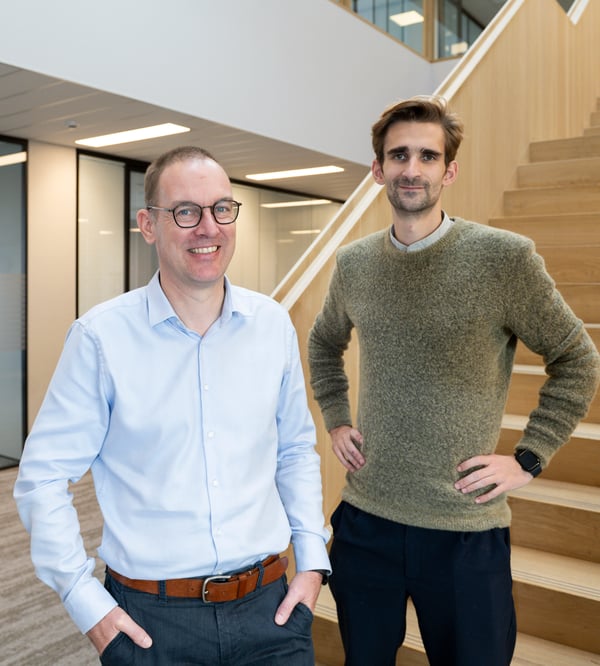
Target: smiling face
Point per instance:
(413, 170)
(196, 258)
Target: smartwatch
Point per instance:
(528, 461)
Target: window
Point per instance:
(13, 157)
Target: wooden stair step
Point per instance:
(584, 300)
(564, 149)
(525, 356)
(559, 172)
(540, 200)
(541, 505)
(595, 118)
(557, 597)
(592, 131)
(561, 230)
(574, 264)
(577, 461)
(525, 384)
(532, 651)
(529, 650)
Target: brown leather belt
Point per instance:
(213, 588)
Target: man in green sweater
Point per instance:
(438, 304)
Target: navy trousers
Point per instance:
(188, 632)
(460, 584)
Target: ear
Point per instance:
(377, 171)
(451, 174)
(146, 226)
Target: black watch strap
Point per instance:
(323, 573)
(528, 461)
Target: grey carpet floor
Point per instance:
(35, 630)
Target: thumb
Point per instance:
(282, 614)
(138, 635)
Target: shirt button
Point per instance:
(205, 387)
(210, 434)
(215, 483)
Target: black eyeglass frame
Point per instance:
(201, 208)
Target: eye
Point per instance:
(223, 207)
(186, 211)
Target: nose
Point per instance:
(207, 226)
(412, 167)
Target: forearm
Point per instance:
(58, 552)
(328, 378)
(298, 475)
(565, 397)
(299, 485)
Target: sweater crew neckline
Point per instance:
(423, 254)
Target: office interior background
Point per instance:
(266, 87)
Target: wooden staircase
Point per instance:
(556, 518)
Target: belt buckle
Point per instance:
(208, 580)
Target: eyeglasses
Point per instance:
(187, 215)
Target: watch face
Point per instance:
(528, 460)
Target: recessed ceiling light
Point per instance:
(291, 204)
(405, 19)
(305, 232)
(13, 158)
(459, 48)
(294, 173)
(140, 134)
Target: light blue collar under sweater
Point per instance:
(432, 238)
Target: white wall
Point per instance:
(51, 245)
(315, 74)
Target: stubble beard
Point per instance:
(405, 202)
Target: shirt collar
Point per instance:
(433, 237)
(160, 308)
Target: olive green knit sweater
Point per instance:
(437, 330)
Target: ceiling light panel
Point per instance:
(13, 158)
(294, 173)
(404, 19)
(129, 136)
(292, 204)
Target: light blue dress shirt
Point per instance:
(201, 447)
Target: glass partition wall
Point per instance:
(274, 229)
(13, 156)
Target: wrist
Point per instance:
(528, 461)
(324, 575)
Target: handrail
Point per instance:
(576, 10)
(478, 50)
(298, 270)
(340, 232)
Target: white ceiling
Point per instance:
(41, 108)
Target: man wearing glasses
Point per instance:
(186, 399)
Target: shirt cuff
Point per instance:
(88, 603)
(310, 554)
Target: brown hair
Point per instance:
(155, 170)
(420, 109)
